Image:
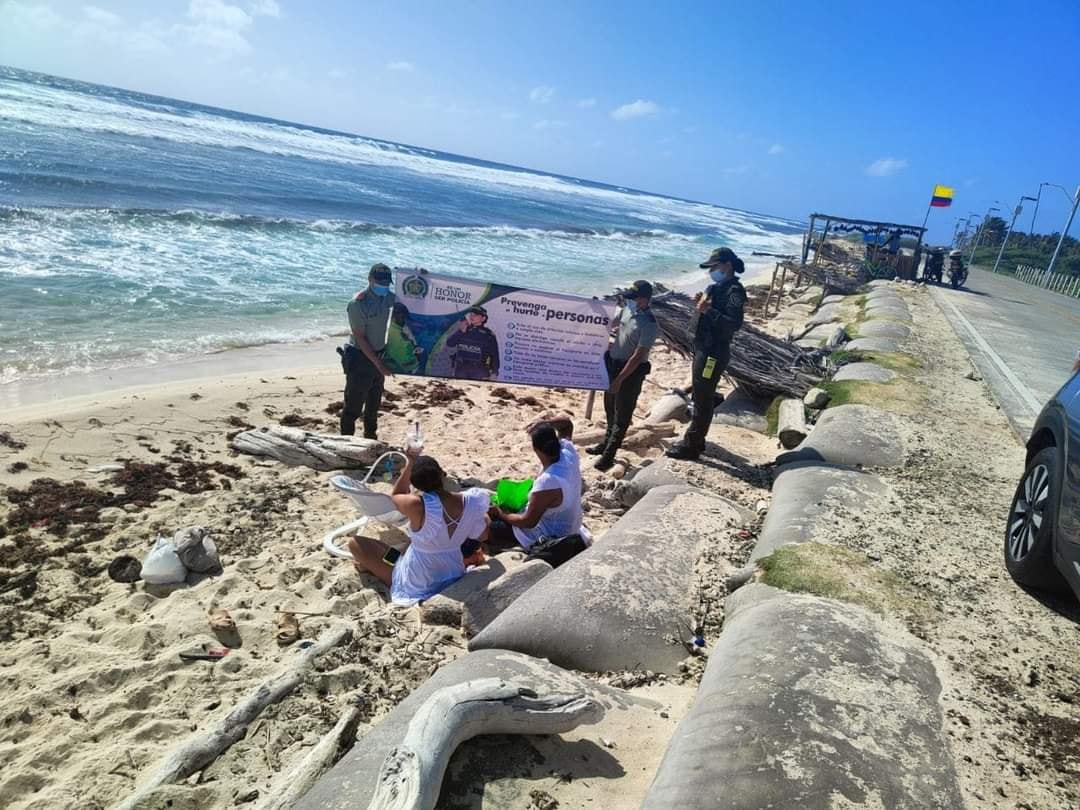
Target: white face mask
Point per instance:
(631, 306)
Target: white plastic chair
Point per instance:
(374, 506)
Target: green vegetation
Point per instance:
(836, 572)
(1023, 249)
(898, 396)
(772, 417)
(894, 361)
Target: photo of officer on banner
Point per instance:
(475, 354)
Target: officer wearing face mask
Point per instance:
(720, 314)
(362, 359)
(627, 363)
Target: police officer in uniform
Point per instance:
(362, 358)
(720, 314)
(476, 350)
(627, 363)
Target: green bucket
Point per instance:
(512, 495)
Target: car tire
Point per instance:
(1032, 523)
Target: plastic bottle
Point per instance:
(414, 440)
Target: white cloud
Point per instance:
(101, 16)
(336, 74)
(587, 103)
(509, 116)
(219, 26)
(542, 94)
(886, 166)
(401, 66)
(635, 109)
(690, 130)
(549, 124)
(18, 18)
(776, 149)
(217, 12)
(265, 8)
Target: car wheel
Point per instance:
(1030, 529)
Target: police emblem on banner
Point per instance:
(414, 287)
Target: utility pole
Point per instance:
(1061, 241)
(979, 232)
(1008, 233)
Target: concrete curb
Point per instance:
(805, 494)
(852, 435)
(625, 603)
(809, 703)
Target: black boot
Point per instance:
(596, 449)
(605, 462)
(683, 451)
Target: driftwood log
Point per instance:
(765, 366)
(301, 448)
(791, 423)
(286, 790)
(644, 436)
(202, 748)
(411, 776)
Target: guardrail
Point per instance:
(1059, 282)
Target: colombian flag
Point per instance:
(942, 197)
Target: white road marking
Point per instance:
(1024, 392)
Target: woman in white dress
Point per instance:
(439, 522)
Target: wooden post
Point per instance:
(821, 244)
(589, 402)
(772, 283)
(783, 280)
(807, 239)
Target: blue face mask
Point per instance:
(717, 275)
(631, 306)
(379, 289)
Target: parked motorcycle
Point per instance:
(957, 271)
(935, 265)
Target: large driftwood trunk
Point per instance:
(289, 788)
(202, 748)
(301, 448)
(411, 777)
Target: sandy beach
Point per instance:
(94, 690)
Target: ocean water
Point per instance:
(136, 229)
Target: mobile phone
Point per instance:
(391, 556)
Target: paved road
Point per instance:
(1023, 339)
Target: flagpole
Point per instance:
(927, 217)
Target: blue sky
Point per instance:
(779, 107)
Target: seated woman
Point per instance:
(439, 522)
(554, 507)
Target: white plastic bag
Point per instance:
(162, 565)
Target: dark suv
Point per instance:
(1042, 537)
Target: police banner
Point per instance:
(456, 328)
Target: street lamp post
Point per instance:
(1061, 241)
(979, 231)
(1008, 233)
(1038, 198)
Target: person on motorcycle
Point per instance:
(957, 271)
(935, 265)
